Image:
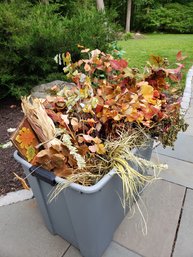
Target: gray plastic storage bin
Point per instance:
(86, 217)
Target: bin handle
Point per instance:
(43, 174)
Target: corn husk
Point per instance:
(41, 123)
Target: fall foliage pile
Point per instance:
(89, 127)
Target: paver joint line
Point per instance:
(63, 255)
(177, 229)
(126, 248)
(174, 158)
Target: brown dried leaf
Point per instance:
(75, 124)
(63, 172)
(22, 181)
(58, 160)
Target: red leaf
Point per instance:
(118, 64)
(98, 108)
(179, 56)
(123, 63)
(54, 116)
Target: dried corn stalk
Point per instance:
(41, 123)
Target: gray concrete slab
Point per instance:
(114, 250)
(183, 148)
(179, 172)
(189, 130)
(184, 242)
(23, 233)
(162, 201)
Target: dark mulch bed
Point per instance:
(10, 116)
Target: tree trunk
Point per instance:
(100, 5)
(128, 19)
(45, 1)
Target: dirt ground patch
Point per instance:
(10, 116)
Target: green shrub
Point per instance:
(31, 35)
(172, 18)
(92, 29)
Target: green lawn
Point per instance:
(138, 51)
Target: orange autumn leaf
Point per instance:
(25, 137)
(87, 67)
(180, 57)
(22, 181)
(91, 121)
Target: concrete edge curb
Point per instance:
(15, 197)
(185, 102)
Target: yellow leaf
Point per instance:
(146, 90)
(85, 50)
(101, 149)
(22, 181)
(97, 140)
(80, 46)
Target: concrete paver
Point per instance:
(114, 250)
(23, 233)
(184, 243)
(163, 201)
(182, 148)
(179, 172)
(189, 120)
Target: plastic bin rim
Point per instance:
(83, 189)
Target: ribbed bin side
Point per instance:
(86, 220)
(39, 195)
(96, 216)
(55, 213)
